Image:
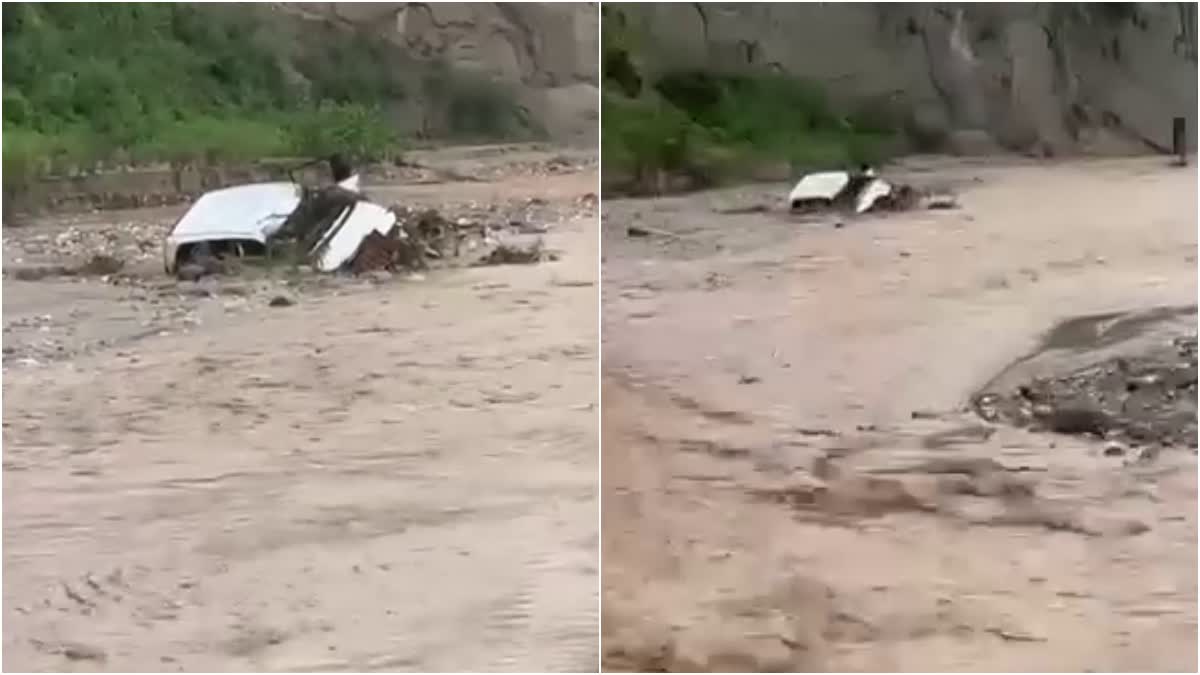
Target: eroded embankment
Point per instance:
(1128, 377)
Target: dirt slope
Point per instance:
(790, 480)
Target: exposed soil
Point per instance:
(279, 470)
(794, 477)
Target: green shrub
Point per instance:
(212, 139)
(771, 114)
(30, 154)
(647, 135)
(356, 130)
(93, 83)
(26, 154)
(715, 126)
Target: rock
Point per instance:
(1114, 449)
(1074, 420)
(379, 276)
(515, 252)
(281, 301)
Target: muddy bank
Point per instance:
(1128, 377)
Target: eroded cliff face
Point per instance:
(1039, 77)
(546, 52)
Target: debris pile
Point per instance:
(379, 252)
(556, 165)
(1148, 399)
(417, 237)
(433, 234)
(86, 236)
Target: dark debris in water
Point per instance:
(518, 253)
(1145, 400)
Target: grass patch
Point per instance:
(95, 85)
(642, 136)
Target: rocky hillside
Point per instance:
(1044, 78)
(546, 52)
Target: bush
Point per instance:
(642, 136)
(31, 154)
(210, 139)
(713, 126)
(26, 154)
(185, 82)
(355, 130)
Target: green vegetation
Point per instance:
(88, 85)
(712, 126)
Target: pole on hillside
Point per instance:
(1179, 140)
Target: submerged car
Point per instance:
(242, 220)
(858, 191)
(232, 220)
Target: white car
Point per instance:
(241, 219)
(237, 218)
(824, 189)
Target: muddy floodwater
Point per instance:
(200, 477)
(788, 406)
